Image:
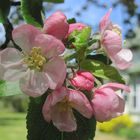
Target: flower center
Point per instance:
(64, 105)
(35, 60)
(117, 30)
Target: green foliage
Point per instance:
(39, 129)
(71, 20)
(9, 88)
(101, 70)
(31, 10)
(4, 10)
(80, 37)
(54, 1)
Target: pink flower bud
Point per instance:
(76, 26)
(83, 80)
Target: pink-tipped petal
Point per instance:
(112, 42)
(116, 86)
(55, 70)
(123, 59)
(50, 45)
(56, 25)
(24, 36)
(34, 83)
(80, 102)
(63, 119)
(104, 23)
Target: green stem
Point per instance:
(62, 136)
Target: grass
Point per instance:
(12, 126)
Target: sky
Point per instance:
(92, 16)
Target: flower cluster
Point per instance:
(52, 58)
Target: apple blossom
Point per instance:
(58, 108)
(83, 80)
(111, 40)
(37, 65)
(106, 103)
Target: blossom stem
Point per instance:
(62, 135)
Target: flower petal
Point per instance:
(76, 26)
(9, 56)
(56, 25)
(123, 59)
(46, 110)
(64, 120)
(112, 42)
(80, 102)
(105, 104)
(55, 70)
(34, 83)
(105, 21)
(116, 86)
(50, 45)
(24, 36)
(11, 64)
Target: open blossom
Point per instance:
(37, 65)
(106, 103)
(111, 41)
(56, 25)
(58, 108)
(83, 80)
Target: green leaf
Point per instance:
(71, 20)
(9, 88)
(31, 10)
(39, 129)
(101, 70)
(80, 37)
(54, 1)
(4, 10)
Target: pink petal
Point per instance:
(24, 36)
(34, 83)
(50, 45)
(105, 21)
(80, 102)
(116, 86)
(56, 25)
(58, 95)
(55, 70)
(2, 71)
(63, 119)
(11, 62)
(105, 104)
(123, 59)
(46, 110)
(76, 26)
(112, 42)
(9, 56)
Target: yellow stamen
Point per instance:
(35, 60)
